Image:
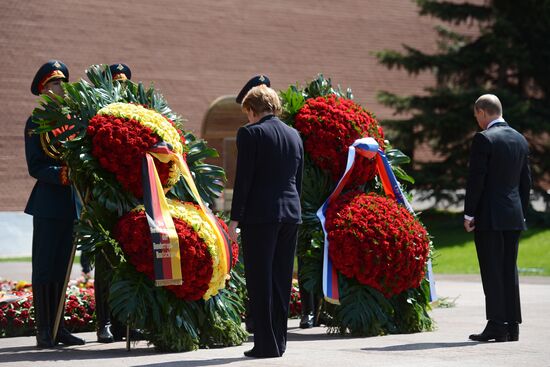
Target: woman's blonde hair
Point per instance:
(262, 99)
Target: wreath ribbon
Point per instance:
(166, 251)
(164, 153)
(369, 148)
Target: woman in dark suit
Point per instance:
(266, 207)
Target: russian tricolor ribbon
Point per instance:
(165, 154)
(369, 148)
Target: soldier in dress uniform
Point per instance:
(120, 72)
(52, 206)
(108, 328)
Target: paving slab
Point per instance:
(446, 346)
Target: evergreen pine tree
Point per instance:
(509, 57)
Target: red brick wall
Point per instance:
(195, 51)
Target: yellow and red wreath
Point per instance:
(202, 272)
(121, 134)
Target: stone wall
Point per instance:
(196, 51)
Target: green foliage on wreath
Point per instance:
(363, 310)
(169, 323)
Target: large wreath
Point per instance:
(377, 241)
(112, 125)
(378, 249)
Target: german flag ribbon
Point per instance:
(164, 153)
(166, 251)
(369, 148)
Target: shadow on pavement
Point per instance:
(420, 346)
(324, 336)
(195, 363)
(30, 353)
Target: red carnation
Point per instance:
(132, 232)
(329, 125)
(377, 241)
(120, 144)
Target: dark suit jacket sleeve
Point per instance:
(300, 171)
(525, 185)
(246, 155)
(479, 159)
(38, 164)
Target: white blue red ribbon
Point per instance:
(369, 148)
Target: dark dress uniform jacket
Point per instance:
(49, 198)
(269, 176)
(497, 193)
(53, 209)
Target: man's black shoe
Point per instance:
(493, 331)
(65, 337)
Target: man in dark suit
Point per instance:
(266, 206)
(497, 198)
(53, 209)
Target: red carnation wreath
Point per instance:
(120, 144)
(329, 125)
(133, 234)
(377, 241)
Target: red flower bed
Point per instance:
(377, 241)
(17, 311)
(295, 304)
(132, 232)
(79, 309)
(120, 144)
(329, 125)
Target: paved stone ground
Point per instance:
(446, 346)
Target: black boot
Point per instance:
(66, 338)
(101, 291)
(119, 332)
(63, 335)
(307, 321)
(104, 334)
(41, 293)
(494, 330)
(308, 318)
